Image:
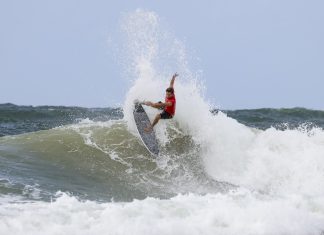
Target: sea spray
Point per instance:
(146, 43)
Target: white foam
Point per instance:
(285, 162)
(238, 212)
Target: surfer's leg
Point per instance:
(156, 120)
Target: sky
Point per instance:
(253, 53)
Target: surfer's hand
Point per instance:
(148, 103)
(175, 75)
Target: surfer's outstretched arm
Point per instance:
(155, 105)
(172, 79)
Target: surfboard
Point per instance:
(142, 121)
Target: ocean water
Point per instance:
(71, 170)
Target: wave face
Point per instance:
(230, 172)
(100, 161)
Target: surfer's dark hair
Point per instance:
(170, 89)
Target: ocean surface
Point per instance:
(72, 170)
(82, 171)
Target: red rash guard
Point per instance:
(170, 109)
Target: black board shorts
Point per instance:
(165, 115)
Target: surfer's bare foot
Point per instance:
(148, 129)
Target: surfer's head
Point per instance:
(169, 92)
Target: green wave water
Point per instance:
(100, 161)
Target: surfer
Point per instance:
(168, 106)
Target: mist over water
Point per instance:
(215, 175)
